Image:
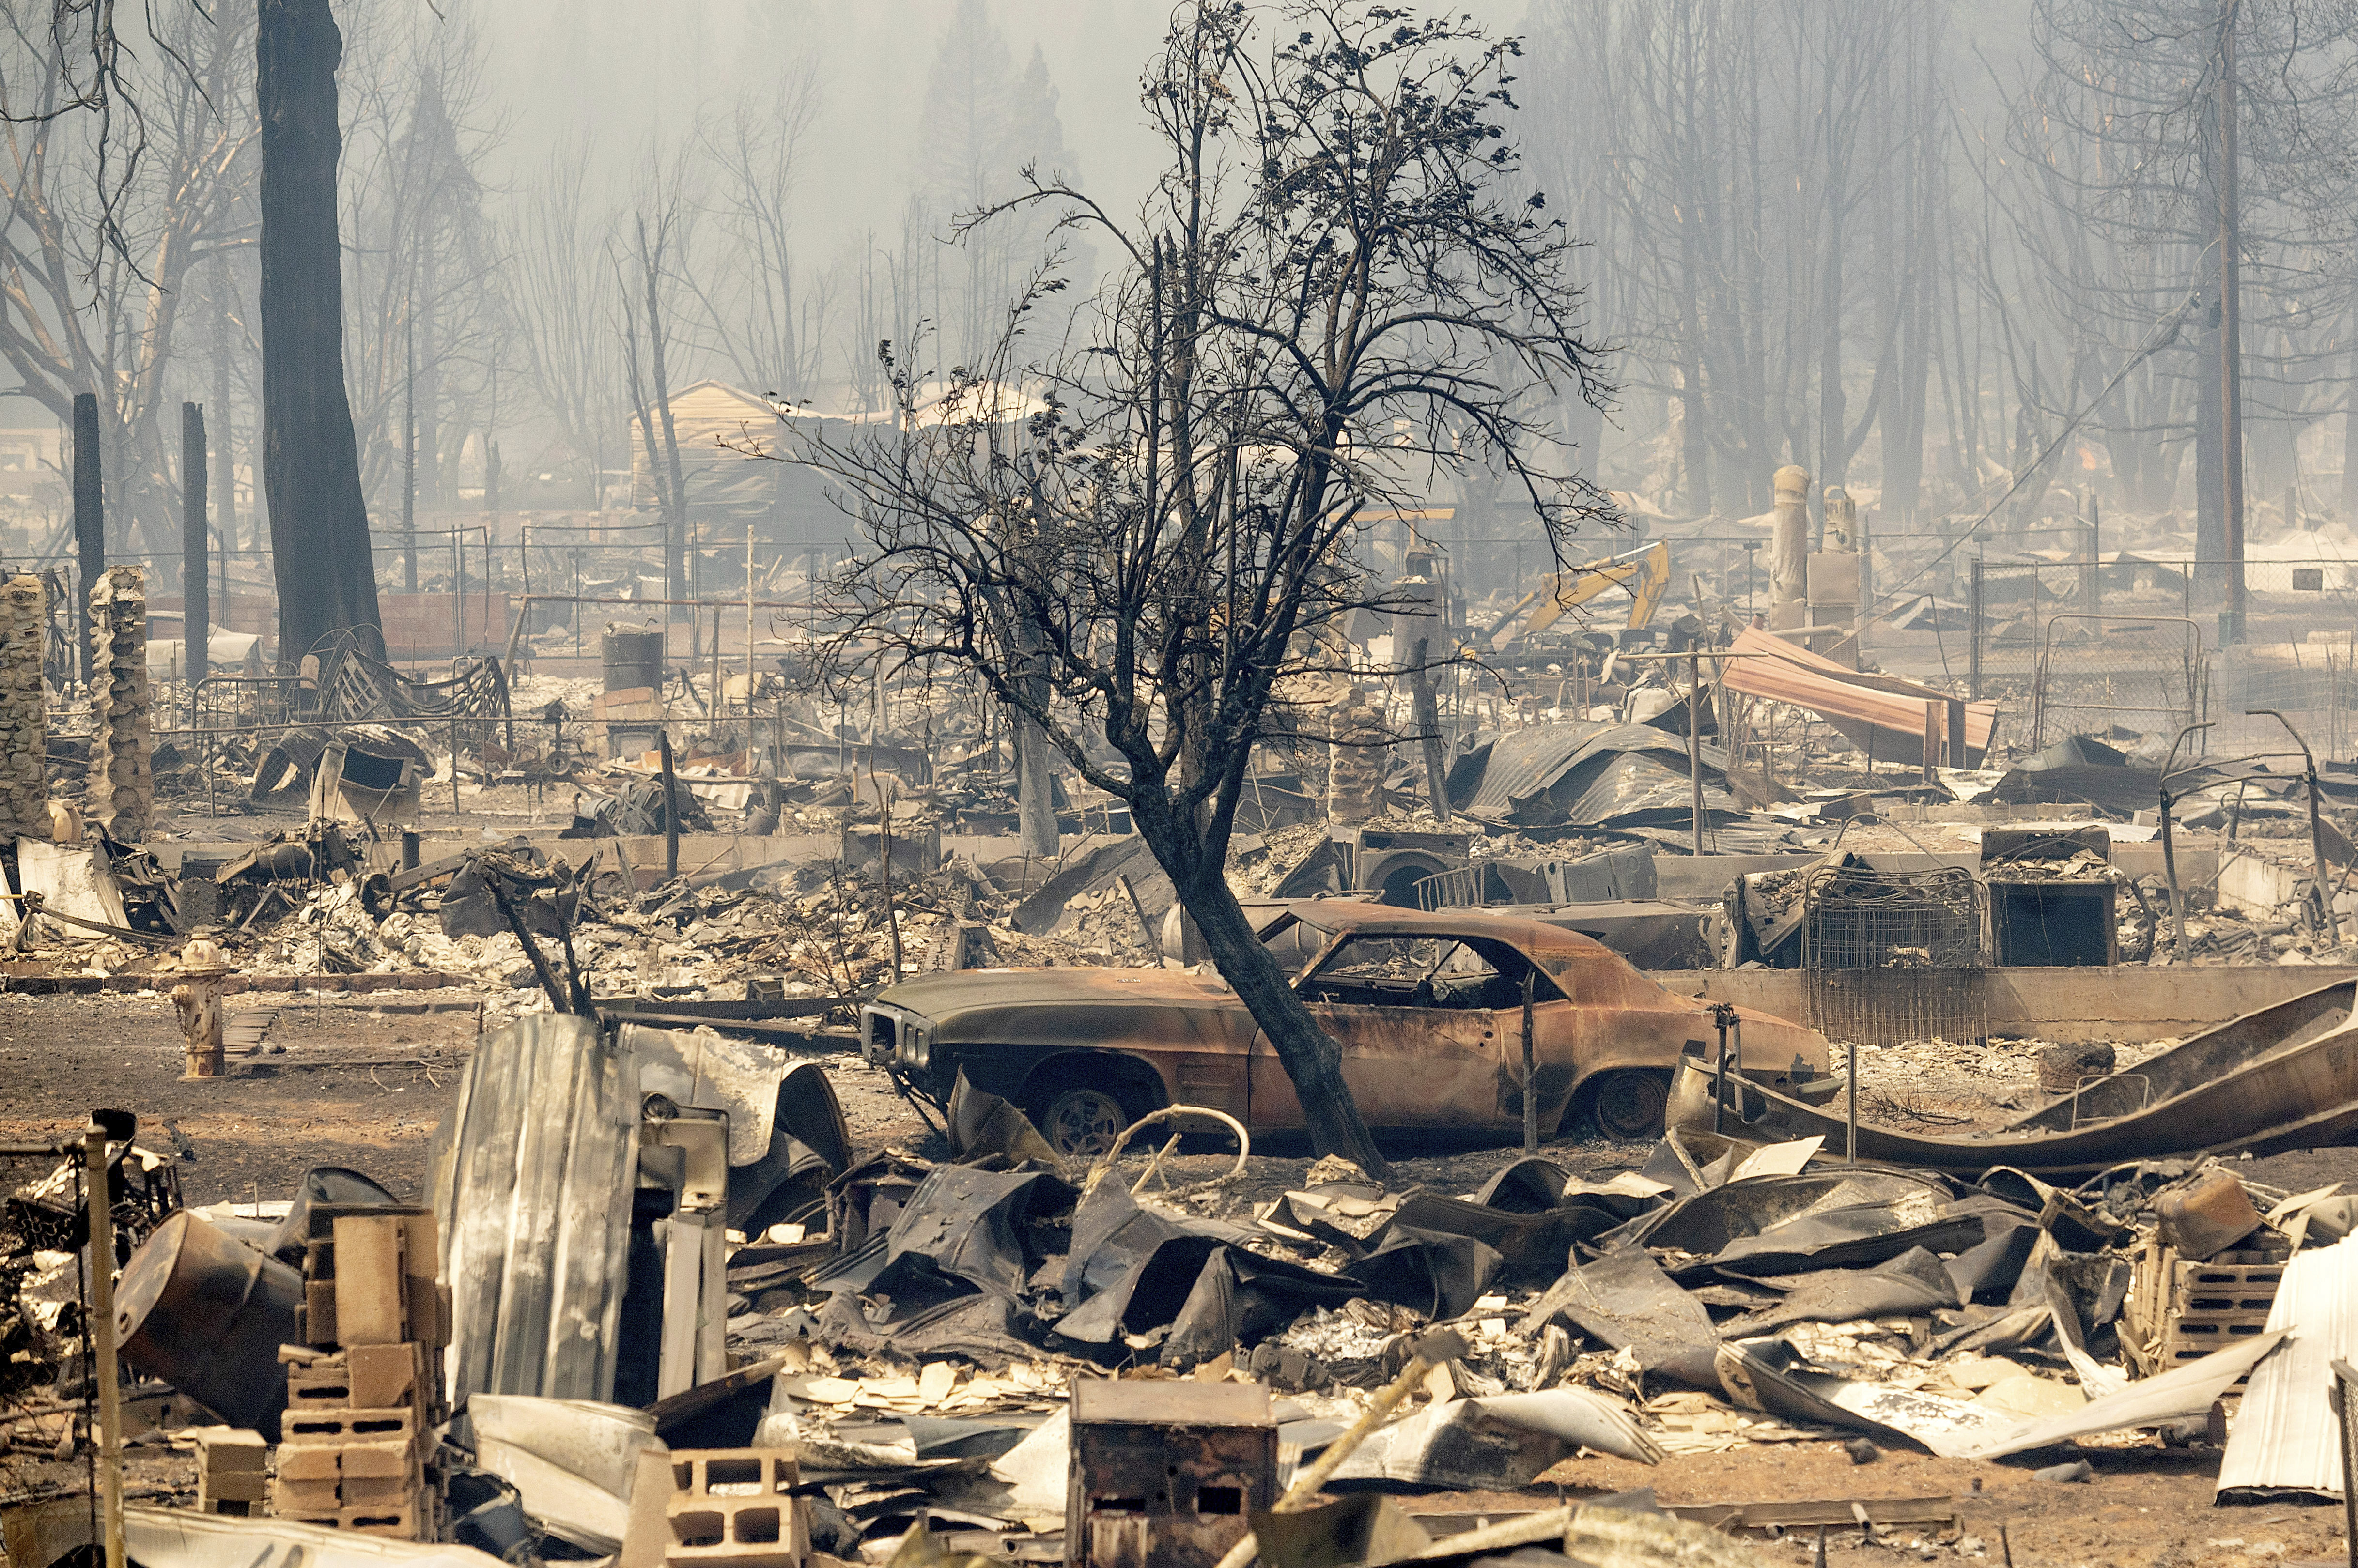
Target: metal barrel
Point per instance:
(207, 1315)
(633, 659)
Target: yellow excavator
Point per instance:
(1644, 571)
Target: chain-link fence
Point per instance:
(2137, 654)
(2113, 676)
(47, 1395)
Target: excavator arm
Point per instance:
(1645, 572)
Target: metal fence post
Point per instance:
(1974, 674)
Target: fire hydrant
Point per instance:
(204, 970)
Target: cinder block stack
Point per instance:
(122, 786)
(363, 1390)
(232, 1471)
(24, 732)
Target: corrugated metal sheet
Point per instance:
(2287, 1438)
(532, 1170)
(1792, 674)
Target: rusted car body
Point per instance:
(1427, 1009)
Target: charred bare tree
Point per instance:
(641, 280)
(310, 463)
(1337, 285)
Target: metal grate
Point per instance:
(1854, 919)
(1893, 956)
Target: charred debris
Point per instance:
(658, 1305)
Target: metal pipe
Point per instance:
(2169, 848)
(2316, 824)
(1695, 740)
(671, 807)
(1722, 1014)
(1851, 1118)
(1531, 1096)
(101, 1338)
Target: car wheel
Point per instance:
(1628, 1106)
(1081, 1123)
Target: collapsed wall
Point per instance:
(24, 715)
(122, 789)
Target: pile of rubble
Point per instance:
(970, 1352)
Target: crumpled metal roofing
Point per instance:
(1602, 775)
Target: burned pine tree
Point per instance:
(310, 463)
(1139, 529)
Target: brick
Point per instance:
(369, 1282)
(227, 1450)
(309, 1462)
(292, 1499)
(734, 1506)
(235, 1486)
(336, 1429)
(317, 1320)
(366, 1377)
(406, 1522)
(393, 1461)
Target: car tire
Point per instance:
(1629, 1104)
(1080, 1122)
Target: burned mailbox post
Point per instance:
(1166, 1473)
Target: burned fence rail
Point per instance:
(1893, 957)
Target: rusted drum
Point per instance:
(633, 659)
(207, 1315)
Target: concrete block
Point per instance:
(729, 1507)
(369, 1282)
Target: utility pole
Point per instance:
(196, 580)
(409, 448)
(2231, 353)
(89, 520)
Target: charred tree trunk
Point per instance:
(196, 602)
(2350, 442)
(1194, 863)
(310, 463)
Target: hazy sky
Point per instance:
(611, 71)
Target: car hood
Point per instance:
(943, 996)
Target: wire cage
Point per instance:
(1895, 957)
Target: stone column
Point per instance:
(1788, 550)
(122, 792)
(24, 734)
(1355, 786)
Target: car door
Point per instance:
(1409, 1060)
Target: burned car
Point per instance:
(1427, 1010)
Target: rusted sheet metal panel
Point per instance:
(1796, 676)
